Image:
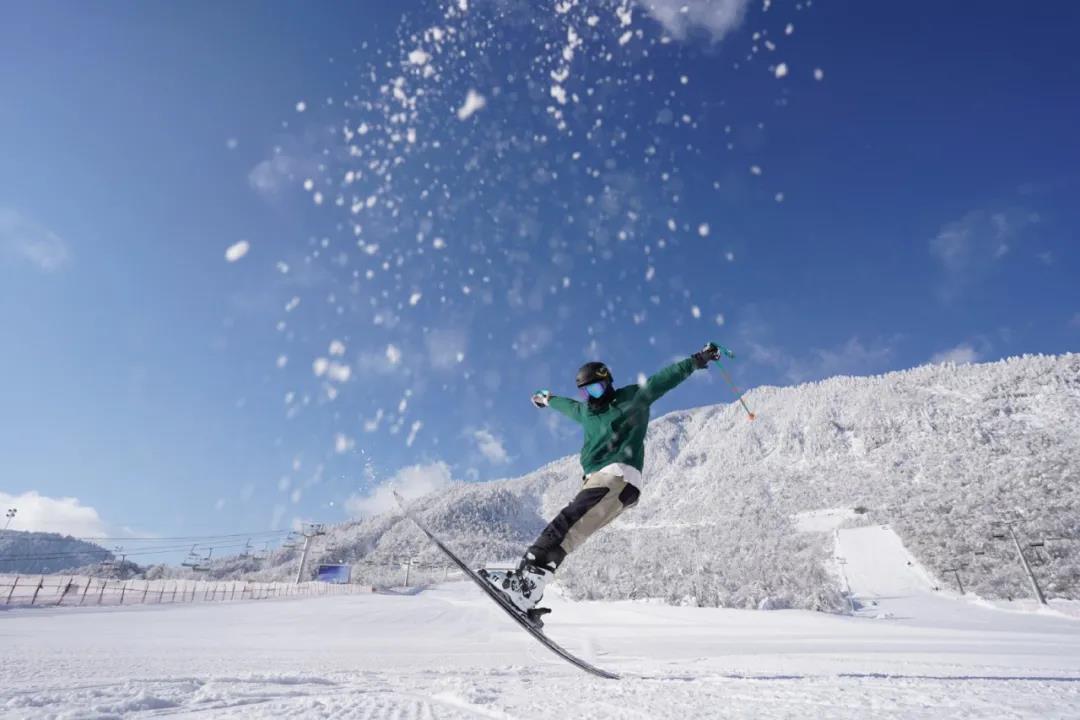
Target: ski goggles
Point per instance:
(594, 390)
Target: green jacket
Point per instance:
(617, 434)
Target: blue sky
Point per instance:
(629, 189)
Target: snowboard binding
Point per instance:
(535, 616)
(518, 594)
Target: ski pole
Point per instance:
(738, 393)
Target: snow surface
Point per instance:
(448, 652)
(823, 520)
(877, 565)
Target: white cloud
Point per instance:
(681, 17)
(411, 482)
(285, 167)
(977, 236)
(28, 241)
(64, 515)
(445, 347)
(962, 354)
(533, 340)
(375, 363)
(490, 446)
(852, 357)
(977, 243)
(270, 175)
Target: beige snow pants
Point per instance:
(602, 498)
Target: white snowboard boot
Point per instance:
(523, 587)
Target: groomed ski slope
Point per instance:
(448, 652)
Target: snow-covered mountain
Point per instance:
(39, 552)
(938, 451)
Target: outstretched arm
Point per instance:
(570, 408)
(665, 380)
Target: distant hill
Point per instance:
(38, 552)
(939, 452)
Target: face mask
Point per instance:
(594, 390)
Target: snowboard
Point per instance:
(505, 604)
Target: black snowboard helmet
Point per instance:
(596, 372)
(593, 372)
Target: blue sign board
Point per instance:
(334, 574)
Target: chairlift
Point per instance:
(197, 563)
(192, 559)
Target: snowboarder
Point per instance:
(612, 456)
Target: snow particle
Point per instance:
(236, 251)
(473, 101)
(393, 354)
(301, 106)
(819, 74)
(338, 373)
(343, 443)
(703, 230)
(781, 70)
(412, 433)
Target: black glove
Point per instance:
(706, 355)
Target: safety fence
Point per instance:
(79, 590)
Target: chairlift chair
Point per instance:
(192, 559)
